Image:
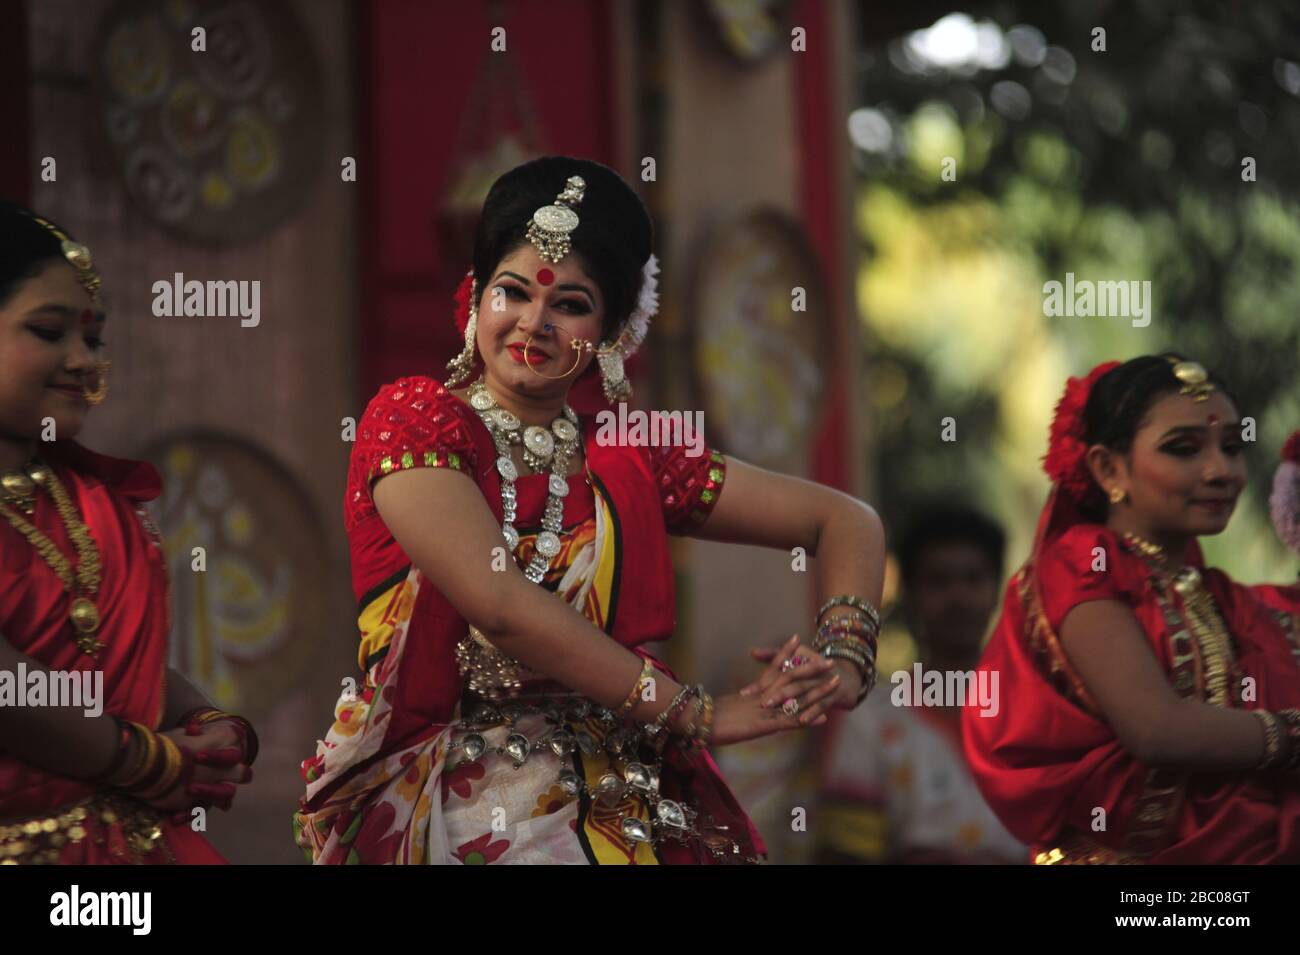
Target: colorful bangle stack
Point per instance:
(851, 636)
(201, 715)
(857, 603)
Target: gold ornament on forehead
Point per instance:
(1195, 379)
(552, 225)
(78, 256)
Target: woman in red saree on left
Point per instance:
(104, 753)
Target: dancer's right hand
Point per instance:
(737, 718)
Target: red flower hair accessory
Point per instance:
(1291, 450)
(1067, 445)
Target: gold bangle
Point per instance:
(704, 732)
(697, 735)
(645, 678)
(157, 765)
(148, 753)
(171, 772)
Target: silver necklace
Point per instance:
(541, 448)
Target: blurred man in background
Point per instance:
(895, 787)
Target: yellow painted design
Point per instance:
(381, 617)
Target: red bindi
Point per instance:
(1213, 419)
(545, 276)
(87, 316)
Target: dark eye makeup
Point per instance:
(55, 335)
(46, 334)
(572, 306)
(1186, 449)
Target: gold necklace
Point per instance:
(1203, 618)
(1146, 548)
(17, 489)
(81, 584)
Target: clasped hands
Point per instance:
(796, 689)
(216, 752)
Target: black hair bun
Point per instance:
(614, 237)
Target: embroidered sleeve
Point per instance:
(412, 423)
(1087, 563)
(149, 525)
(688, 487)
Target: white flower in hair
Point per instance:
(613, 376)
(647, 305)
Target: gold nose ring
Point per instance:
(578, 345)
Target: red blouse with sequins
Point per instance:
(416, 422)
(655, 491)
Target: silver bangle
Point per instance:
(663, 719)
(867, 671)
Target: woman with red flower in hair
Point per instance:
(497, 723)
(1152, 703)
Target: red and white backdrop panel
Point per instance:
(417, 63)
(821, 147)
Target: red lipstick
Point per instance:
(535, 357)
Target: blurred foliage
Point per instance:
(1117, 165)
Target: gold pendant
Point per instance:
(17, 484)
(88, 644)
(18, 489)
(85, 615)
(85, 619)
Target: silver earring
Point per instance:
(613, 377)
(463, 364)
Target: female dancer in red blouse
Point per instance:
(1151, 703)
(83, 595)
(497, 723)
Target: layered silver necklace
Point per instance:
(543, 448)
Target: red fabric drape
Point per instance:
(561, 51)
(133, 605)
(1047, 760)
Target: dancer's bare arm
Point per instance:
(1107, 647)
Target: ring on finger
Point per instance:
(809, 697)
(791, 662)
(790, 707)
